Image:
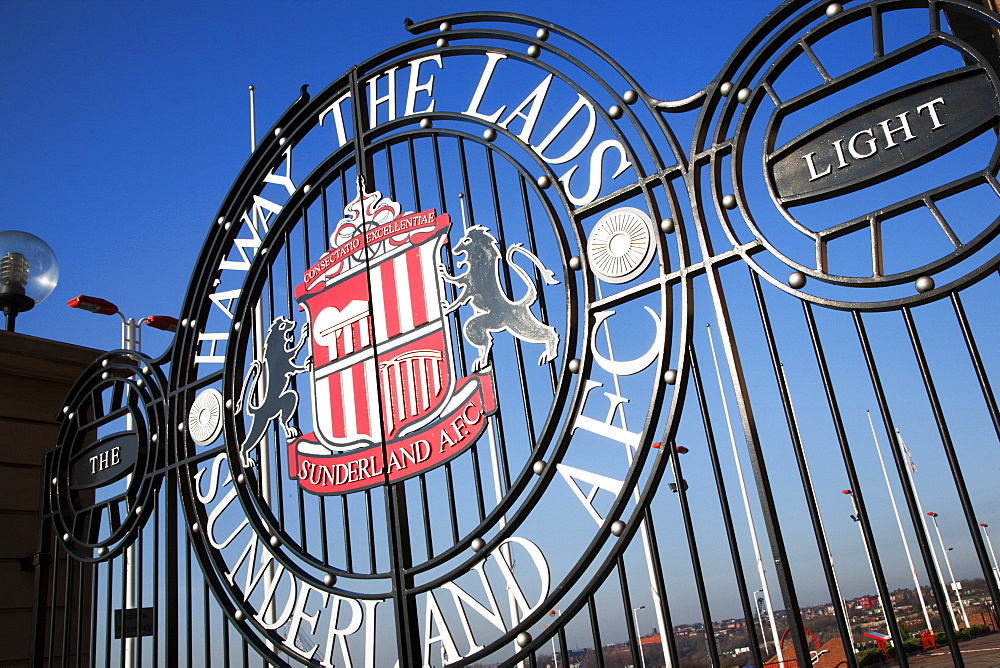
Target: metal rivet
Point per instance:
(236, 327)
(617, 527)
(180, 427)
(65, 409)
(542, 34)
(55, 481)
(478, 544)
(281, 142)
(538, 467)
(924, 284)
(726, 88)
(575, 263)
(630, 96)
(195, 528)
(329, 579)
(145, 370)
(523, 638)
(489, 134)
(66, 538)
(220, 221)
(797, 280)
(140, 382)
(667, 225)
(192, 323)
(263, 250)
(277, 131)
(105, 363)
(184, 322)
(534, 51)
(239, 615)
(229, 403)
(670, 376)
(615, 112)
(228, 225)
(574, 366)
(444, 27)
(154, 438)
(305, 190)
(105, 375)
(101, 551)
(441, 43)
(834, 8)
(71, 416)
(426, 124)
(743, 95)
(275, 541)
(543, 181)
(729, 202)
(241, 478)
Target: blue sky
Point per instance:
(124, 124)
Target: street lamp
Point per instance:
(759, 600)
(130, 341)
(130, 327)
(996, 567)
(638, 633)
(954, 585)
(28, 273)
(555, 657)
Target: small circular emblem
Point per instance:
(620, 246)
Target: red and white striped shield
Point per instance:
(395, 342)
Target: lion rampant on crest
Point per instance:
(494, 311)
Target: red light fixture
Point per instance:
(93, 304)
(162, 322)
(933, 514)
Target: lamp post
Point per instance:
(635, 618)
(996, 567)
(131, 340)
(955, 587)
(28, 273)
(871, 564)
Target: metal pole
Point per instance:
(638, 633)
(746, 507)
(923, 520)
(868, 553)
(996, 567)
(819, 517)
(647, 546)
(253, 122)
(130, 341)
(899, 523)
(951, 573)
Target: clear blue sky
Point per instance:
(124, 124)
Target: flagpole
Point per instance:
(868, 553)
(899, 522)
(746, 507)
(923, 520)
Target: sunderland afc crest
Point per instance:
(387, 402)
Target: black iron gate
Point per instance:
(445, 394)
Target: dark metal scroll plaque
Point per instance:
(424, 403)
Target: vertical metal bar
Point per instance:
(949, 449)
(699, 577)
(727, 517)
(977, 361)
(348, 550)
(922, 540)
(852, 477)
(425, 506)
(595, 631)
(630, 626)
(661, 588)
(812, 504)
